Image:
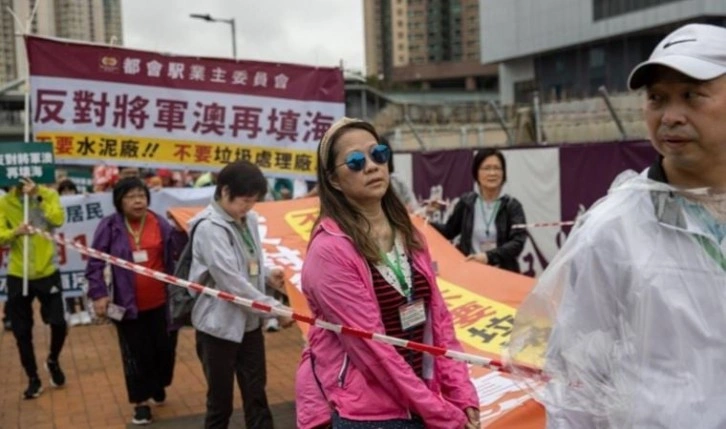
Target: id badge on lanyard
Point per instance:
(253, 268)
(141, 256)
(412, 314)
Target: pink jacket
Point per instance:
(366, 380)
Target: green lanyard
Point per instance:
(247, 238)
(136, 235)
(398, 272)
(712, 251)
(488, 222)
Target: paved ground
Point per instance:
(95, 396)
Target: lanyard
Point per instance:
(247, 238)
(398, 272)
(488, 222)
(136, 234)
(712, 250)
(708, 246)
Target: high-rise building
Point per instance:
(568, 49)
(112, 21)
(426, 43)
(87, 20)
(8, 58)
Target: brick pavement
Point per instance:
(95, 396)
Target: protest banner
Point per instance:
(137, 108)
(482, 300)
(19, 160)
(83, 214)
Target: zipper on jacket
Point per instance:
(343, 371)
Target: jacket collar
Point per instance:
(219, 212)
(657, 172)
(328, 225)
(119, 221)
(669, 207)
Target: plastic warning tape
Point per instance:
(277, 311)
(542, 224)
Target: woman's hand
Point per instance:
(100, 305)
(479, 257)
(276, 279)
(28, 186)
(473, 415)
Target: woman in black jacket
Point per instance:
(483, 219)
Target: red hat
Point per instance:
(163, 172)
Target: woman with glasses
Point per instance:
(368, 267)
(483, 219)
(137, 303)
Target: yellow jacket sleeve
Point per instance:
(7, 232)
(51, 206)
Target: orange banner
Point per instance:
(482, 301)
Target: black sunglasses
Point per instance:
(356, 160)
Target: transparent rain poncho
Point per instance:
(628, 323)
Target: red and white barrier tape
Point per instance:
(278, 311)
(542, 224)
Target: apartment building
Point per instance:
(88, 20)
(430, 44)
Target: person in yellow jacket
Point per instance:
(44, 281)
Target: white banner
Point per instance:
(533, 178)
(138, 108)
(84, 213)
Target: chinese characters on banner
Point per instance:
(30, 160)
(482, 300)
(83, 213)
(129, 107)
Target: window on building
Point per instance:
(597, 58)
(559, 66)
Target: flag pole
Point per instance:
(26, 137)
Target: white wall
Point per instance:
(516, 28)
(511, 72)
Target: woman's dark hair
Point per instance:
(124, 186)
(67, 185)
(484, 154)
(384, 141)
(242, 179)
(334, 204)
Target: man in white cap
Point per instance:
(628, 323)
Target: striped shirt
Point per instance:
(389, 301)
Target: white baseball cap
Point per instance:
(696, 50)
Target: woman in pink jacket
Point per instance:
(368, 267)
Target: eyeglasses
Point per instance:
(356, 160)
(131, 197)
(491, 168)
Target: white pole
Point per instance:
(26, 198)
(26, 243)
(537, 117)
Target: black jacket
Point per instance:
(509, 242)
(657, 172)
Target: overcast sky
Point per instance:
(314, 32)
